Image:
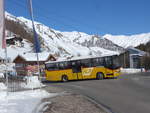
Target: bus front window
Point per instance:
(116, 63)
(109, 62)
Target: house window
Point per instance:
(19, 65)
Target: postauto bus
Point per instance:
(85, 68)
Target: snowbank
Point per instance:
(22, 102)
(1, 75)
(9, 67)
(33, 82)
(2, 86)
(131, 70)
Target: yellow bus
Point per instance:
(86, 68)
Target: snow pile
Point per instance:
(131, 70)
(33, 82)
(10, 67)
(1, 75)
(2, 86)
(22, 102)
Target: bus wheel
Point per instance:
(64, 78)
(100, 76)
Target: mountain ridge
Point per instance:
(66, 44)
(59, 43)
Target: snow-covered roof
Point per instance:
(33, 56)
(136, 51)
(10, 37)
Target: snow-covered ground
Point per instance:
(131, 70)
(2, 87)
(24, 101)
(21, 102)
(9, 67)
(1, 75)
(32, 82)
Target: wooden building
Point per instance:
(27, 62)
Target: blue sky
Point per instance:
(91, 16)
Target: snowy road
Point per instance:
(128, 94)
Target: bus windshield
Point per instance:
(112, 62)
(116, 63)
(108, 62)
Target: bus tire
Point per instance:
(99, 76)
(64, 78)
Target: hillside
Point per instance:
(126, 41)
(145, 47)
(61, 44)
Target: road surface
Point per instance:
(127, 94)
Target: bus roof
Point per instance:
(77, 58)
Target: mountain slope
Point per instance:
(68, 44)
(126, 41)
(62, 44)
(92, 41)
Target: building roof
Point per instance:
(10, 37)
(136, 51)
(33, 56)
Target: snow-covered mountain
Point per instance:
(62, 44)
(66, 44)
(126, 41)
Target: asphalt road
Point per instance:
(127, 94)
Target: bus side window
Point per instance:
(68, 65)
(73, 63)
(61, 65)
(50, 67)
(86, 63)
(108, 61)
(95, 62)
(101, 61)
(98, 62)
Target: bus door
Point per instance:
(87, 69)
(76, 71)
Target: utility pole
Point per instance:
(36, 40)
